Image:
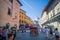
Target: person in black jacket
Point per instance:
(57, 34)
(1, 37)
(51, 31)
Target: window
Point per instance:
(51, 15)
(58, 10)
(53, 12)
(9, 11)
(19, 15)
(11, 1)
(15, 17)
(22, 16)
(22, 13)
(22, 21)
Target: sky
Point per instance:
(33, 8)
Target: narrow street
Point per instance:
(27, 36)
(29, 19)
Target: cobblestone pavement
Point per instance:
(27, 36)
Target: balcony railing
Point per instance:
(54, 16)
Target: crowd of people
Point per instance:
(10, 34)
(50, 32)
(7, 34)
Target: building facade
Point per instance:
(9, 12)
(53, 14)
(44, 19)
(22, 16)
(29, 21)
(24, 19)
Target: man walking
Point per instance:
(1, 37)
(56, 34)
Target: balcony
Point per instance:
(55, 17)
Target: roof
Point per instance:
(23, 10)
(19, 2)
(47, 6)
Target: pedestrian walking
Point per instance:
(51, 32)
(56, 34)
(13, 32)
(9, 33)
(1, 37)
(4, 33)
(22, 29)
(47, 32)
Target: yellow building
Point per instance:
(53, 14)
(9, 12)
(24, 19)
(22, 16)
(29, 21)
